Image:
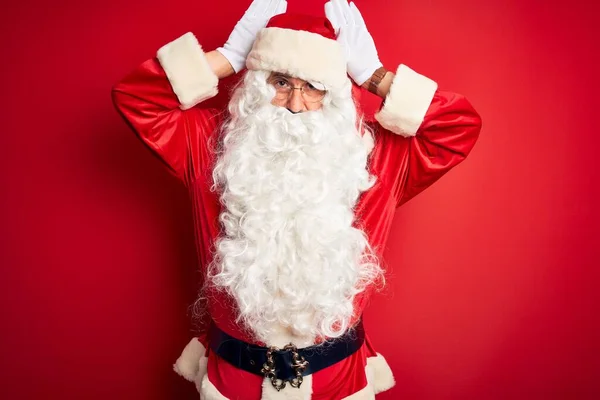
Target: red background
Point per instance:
(493, 271)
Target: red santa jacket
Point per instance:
(422, 132)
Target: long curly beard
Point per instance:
(289, 253)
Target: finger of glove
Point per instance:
(332, 16)
(342, 11)
(273, 7)
(356, 15)
(332, 12)
(255, 5)
(281, 8)
(260, 8)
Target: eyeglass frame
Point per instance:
(292, 88)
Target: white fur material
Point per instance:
(203, 366)
(301, 54)
(365, 393)
(407, 102)
(187, 68)
(379, 379)
(379, 374)
(208, 391)
(191, 364)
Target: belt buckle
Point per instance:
(299, 365)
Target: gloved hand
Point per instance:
(359, 47)
(240, 41)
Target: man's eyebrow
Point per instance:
(280, 75)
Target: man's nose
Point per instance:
(295, 102)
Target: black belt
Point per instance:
(288, 364)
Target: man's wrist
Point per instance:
(374, 83)
(220, 64)
(376, 79)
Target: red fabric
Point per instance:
(404, 167)
(299, 22)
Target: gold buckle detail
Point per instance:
(299, 364)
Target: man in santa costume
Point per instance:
(293, 192)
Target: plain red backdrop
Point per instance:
(493, 276)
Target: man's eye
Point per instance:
(281, 83)
(310, 87)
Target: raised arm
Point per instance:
(423, 132)
(160, 98)
(157, 100)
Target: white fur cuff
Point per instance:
(382, 377)
(407, 102)
(208, 391)
(191, 364)
(187, 68)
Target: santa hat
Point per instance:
(301, 46)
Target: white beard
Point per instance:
(288, 253)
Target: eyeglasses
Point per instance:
(284, 89)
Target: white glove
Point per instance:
(240, 41)
(359, 47)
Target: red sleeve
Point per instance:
(445, 137)
(178, 137)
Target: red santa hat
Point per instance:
(301, 46)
